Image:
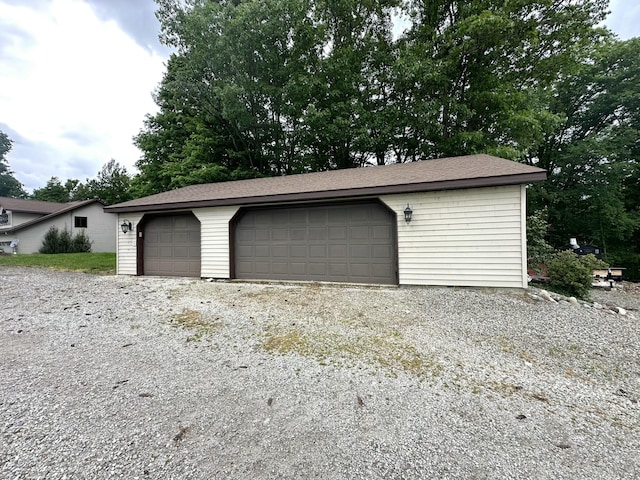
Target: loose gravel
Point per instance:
(139, 377)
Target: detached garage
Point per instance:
(453, 221)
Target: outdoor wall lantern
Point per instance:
(407, 213)
(126, 226)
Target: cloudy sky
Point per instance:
(76, 78)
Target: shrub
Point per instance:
(81, 243)
(538, 250)
(62, 242)
(50, 243)
(571, 274)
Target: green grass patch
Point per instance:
(98, 263)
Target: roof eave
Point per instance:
(502, 180)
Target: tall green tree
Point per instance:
(56, 191)
(10, 186)
(592, 155)
(267, 88)
(475, 76)
(111, 185)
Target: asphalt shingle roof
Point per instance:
(440, 174)
(30, 206)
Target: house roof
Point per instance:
(440, 174)
(66, 207)
(30, 206)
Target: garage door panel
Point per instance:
(248, 235)
(382, 233)
(280, 268)
(338, 269)
(381, 252)
(317, 269)
(298, 234)
(243, 268)
(338, 215)
(298, 251)
(337, 233)
(262, 234)
(360, 270)
(263, 267)
(317, 216)
(320, 243)
(279, 234)
(262, 218)
(338, 251)
(181, 252)
(359, 215)
(246, 251)
(359, 233)
(165, 237)
(280, 251)
(172, 246)
(298, 268)
(317, 251)
(359, 251)
(181, 238)
(317, 233)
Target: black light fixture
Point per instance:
(407, 213)
(126, 226)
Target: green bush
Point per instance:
(571, 274)
(51, 241)
(538, 250)
(81, 243)
(65, 242)
(62, 242)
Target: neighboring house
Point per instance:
(467, 226)
(25, 223)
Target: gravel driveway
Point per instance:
(133, 377)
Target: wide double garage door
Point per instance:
(338, 243)
(172, 246)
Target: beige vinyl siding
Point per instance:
(126, 256)
(471, 237)
(214, 238)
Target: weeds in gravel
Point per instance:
(387, 350)
(195, 321)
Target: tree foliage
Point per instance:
(592, 155)
(56, 191)
(283, 86)
(111, 185)
(9, 185)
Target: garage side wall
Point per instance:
(474, 237)
(126, 243)
(214, 237)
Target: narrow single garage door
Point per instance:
(337, 243)
(172, 246)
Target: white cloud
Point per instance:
(74, 84)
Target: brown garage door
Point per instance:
(172, 246)
(337, 243)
